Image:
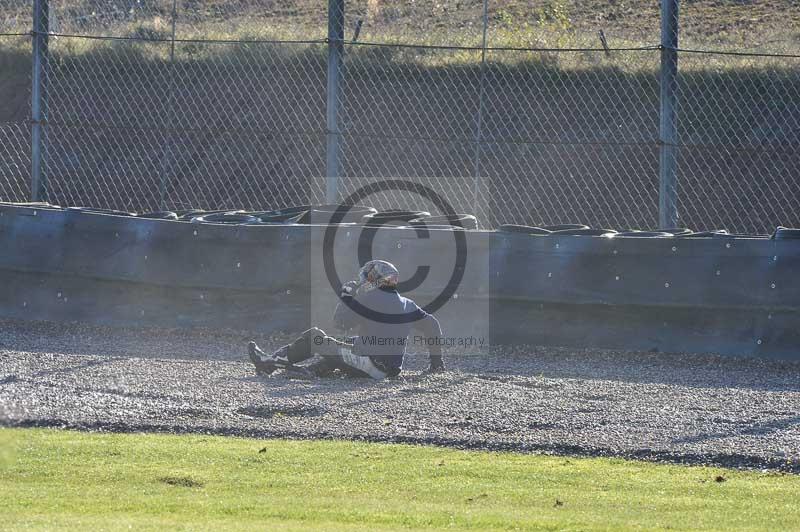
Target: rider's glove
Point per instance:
(349, 289)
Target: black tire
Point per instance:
(94, 210)
(645, 234)
(377, 224)
(392, 217)
(187, 215)
(333, 207)
(588, 231)
(786, 233)
(291, 216)
(37, 204)
(291, 211)
(284, 215)
(523, 229)
(159, 215)
(717, 233)
(677, 231)
(183, 212)
(322, 214)
(227, 218)
(438, 227)
(269, 218)
(564, 227)
(464, 221)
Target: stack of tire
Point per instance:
(679, 232)
(419, 220)
(319, 215)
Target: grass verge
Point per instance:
(64, 479)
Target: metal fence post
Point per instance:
(335, 61)
(167, 160)
(667, 189)
(479, 125)
(41, 15)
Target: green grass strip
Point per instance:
(71, 480)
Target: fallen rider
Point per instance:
(378, 349)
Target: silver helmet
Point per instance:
(377, 274)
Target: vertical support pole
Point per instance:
(166, 162)
(479, 125)
(41, 16)
(335, 61)
(667, 188)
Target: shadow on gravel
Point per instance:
(9, 379)
(281, 386)
(759, 429)
(104, 390)
(272, 411)
(70, 369)
(685, 370)
(126, 342)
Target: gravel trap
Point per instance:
(665, 407)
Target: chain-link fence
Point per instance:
(522, 112)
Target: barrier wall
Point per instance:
(725, 295)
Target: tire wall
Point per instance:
(725, 295)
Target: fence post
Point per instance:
(41, 16)
(335, 61)
(667, 188)
(479, 126)
(166, 161)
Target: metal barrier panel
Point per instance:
(726, 295)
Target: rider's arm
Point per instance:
(344, 317)
(429, 326)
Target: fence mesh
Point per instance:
(540, 113)
(15, 83)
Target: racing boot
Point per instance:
(267, 364)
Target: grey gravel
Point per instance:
(683, 408)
